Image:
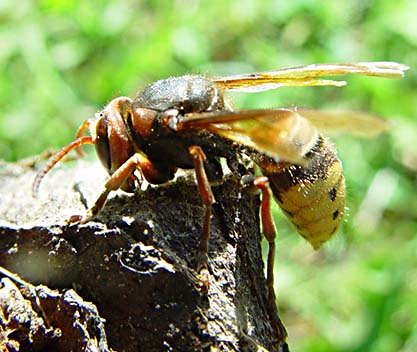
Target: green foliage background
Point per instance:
(61, 60)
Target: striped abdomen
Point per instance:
(311, 195)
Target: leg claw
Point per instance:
(204, 277)
(78, 219)
(74, 219)
(202, 269)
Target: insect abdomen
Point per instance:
(313, 195)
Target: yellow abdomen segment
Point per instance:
(312, 196)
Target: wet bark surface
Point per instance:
(135, 263)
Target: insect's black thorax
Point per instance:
(186, 93)
(169, 148)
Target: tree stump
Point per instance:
(135, 262)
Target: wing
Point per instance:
(282, 134)
(308, 76)
(356, 123)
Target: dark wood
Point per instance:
(135, 261)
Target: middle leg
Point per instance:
(208, 199)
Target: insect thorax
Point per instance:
(186, 93)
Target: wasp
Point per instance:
(185, 122)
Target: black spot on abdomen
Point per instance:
(332, 194)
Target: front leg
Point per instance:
(116, 180)
(208, 199)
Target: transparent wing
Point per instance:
(283, 134)
(356, 123)
(308, 76)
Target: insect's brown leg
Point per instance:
(268, 225)
(115, 182)
(208, 199)
(270, 233)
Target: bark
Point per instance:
(135, 262)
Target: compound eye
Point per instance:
(102, 141)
